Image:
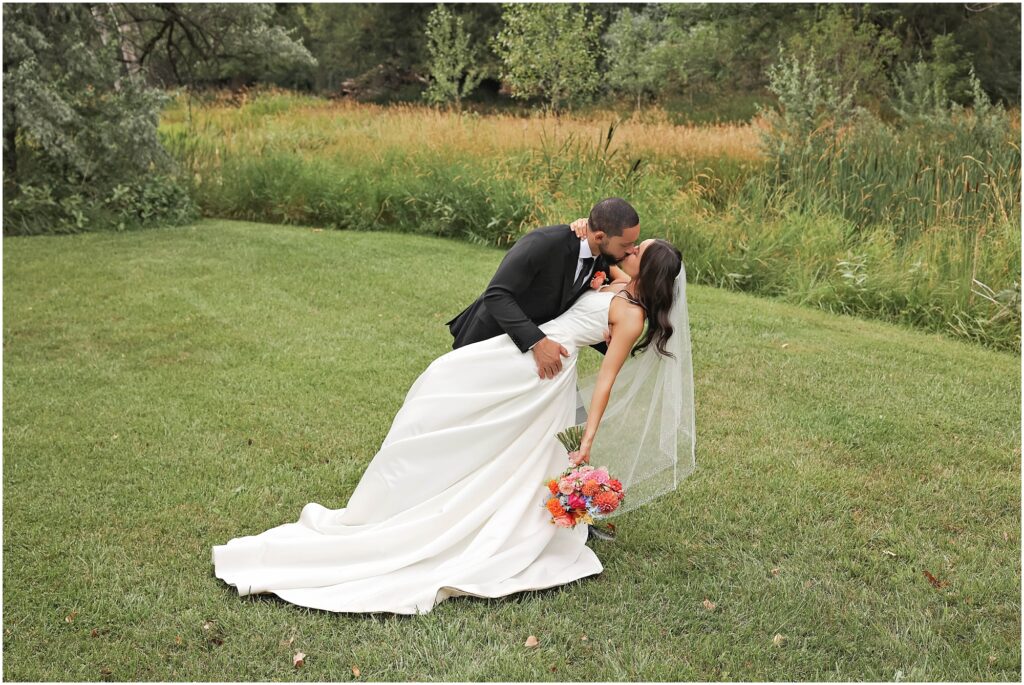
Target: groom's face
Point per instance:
(615, 248)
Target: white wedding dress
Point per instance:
(452, 504)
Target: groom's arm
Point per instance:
(514, 275)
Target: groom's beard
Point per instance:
(612, 261)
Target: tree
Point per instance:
(634, 45)
(81, 113)
(549, 51)
(855, 53)
(452, 59)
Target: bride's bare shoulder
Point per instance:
(612, 288)
(625, 314)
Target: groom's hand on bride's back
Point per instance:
(548, 355)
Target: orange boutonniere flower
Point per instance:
(598, 280)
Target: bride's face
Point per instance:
(631, 263)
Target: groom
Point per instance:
(541, 276)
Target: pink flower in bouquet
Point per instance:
(577, 502)
(600, 475)
(566, 486)
(565, 521)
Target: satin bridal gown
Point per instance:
(452, 503)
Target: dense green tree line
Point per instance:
(655, 50)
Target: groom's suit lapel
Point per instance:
(570, 257)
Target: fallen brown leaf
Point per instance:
(709, 605)
(779, 639)
(775, 571)
(299, 659)
(94, 633)
(355, 671)
(71, 617)
(936, 583)
(584, 637)
(531, 641)
(105, 671)
(178, 640)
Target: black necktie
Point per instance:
(584, 273)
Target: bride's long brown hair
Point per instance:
(656, 278)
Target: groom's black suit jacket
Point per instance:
(533, 284)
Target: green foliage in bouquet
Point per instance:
(572, 437)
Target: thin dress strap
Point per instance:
(630, 299)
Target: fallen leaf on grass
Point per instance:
(779, 639)
(288, 642)
(775, 571)
(709, 605)
(584, 637)
(299, 659)
(355, 671)
(888, 553)
(71, 617)
(105, 671)
(178, 640)
(531, 641)
(936, 583)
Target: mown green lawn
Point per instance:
(169, 389)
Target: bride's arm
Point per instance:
(628, 324)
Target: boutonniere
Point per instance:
(598, 280)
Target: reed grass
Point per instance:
(871, 228)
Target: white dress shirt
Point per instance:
(584, 254)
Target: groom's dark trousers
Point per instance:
(533, 284)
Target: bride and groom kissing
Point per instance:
(451, 504)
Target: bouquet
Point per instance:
(582, 494)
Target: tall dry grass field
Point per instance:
(901, 225)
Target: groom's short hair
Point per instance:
(613, 216)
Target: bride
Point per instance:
(452, 503)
